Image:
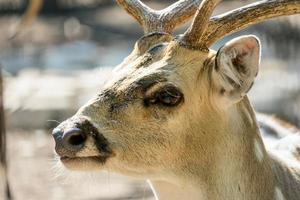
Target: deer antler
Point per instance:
(165, 20)
(31, 13)
(194, 33)
(203, 32)
(238, 19)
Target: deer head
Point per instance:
(173, 106)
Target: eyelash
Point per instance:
(168, 96)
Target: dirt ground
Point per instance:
(34, 174)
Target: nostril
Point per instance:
(77, 139)
(74, 138)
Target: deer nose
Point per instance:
(70, 140)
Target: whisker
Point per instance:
(53, 120)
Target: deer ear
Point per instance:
(236, 66)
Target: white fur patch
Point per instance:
(278, 194)
(153, 190)
(258, 150)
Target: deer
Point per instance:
(176, 112)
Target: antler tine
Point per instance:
(198, 27)
(178, 13)
(238, 19)
(165, 20)
(138, 10)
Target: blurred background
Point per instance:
(59, 61)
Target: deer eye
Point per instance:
(166, 96)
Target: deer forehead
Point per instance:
(162, 62)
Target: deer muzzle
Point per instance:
(74, 136)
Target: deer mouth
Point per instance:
(89, 163)
(99, 159)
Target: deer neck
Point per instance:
(236, 167)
